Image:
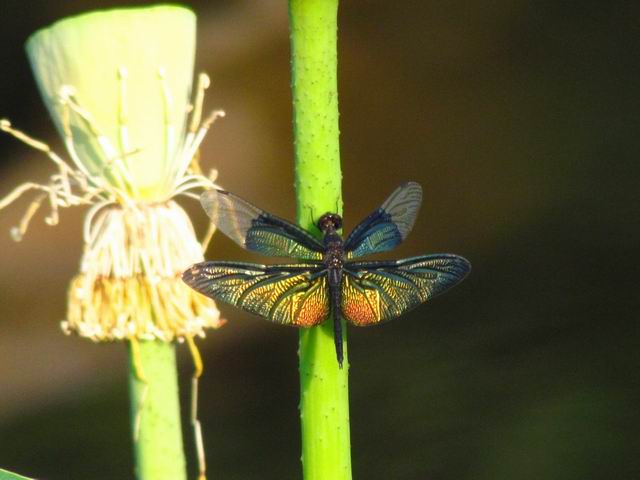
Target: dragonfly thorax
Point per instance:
(333, 258)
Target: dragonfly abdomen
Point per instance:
(336, 300)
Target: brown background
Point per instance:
(519, 118)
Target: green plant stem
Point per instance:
(324, 402)
(155, 412)
(5, 475)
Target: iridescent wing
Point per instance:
(387, 226)
(287, 294)
(374, 292)
(257, 230)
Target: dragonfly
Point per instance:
(328, 278)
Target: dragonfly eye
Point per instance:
(330, 221)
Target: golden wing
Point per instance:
(294, 294)
(375, 292)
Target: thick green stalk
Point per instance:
(155, 411)
(324, 397)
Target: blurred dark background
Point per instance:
(519, 118)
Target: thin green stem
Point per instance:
(155, 411)
(324, 402)
(5, 475)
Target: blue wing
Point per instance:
(389, 225)
(257, 230)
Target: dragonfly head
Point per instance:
(330, 222)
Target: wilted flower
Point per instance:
(132, 137)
